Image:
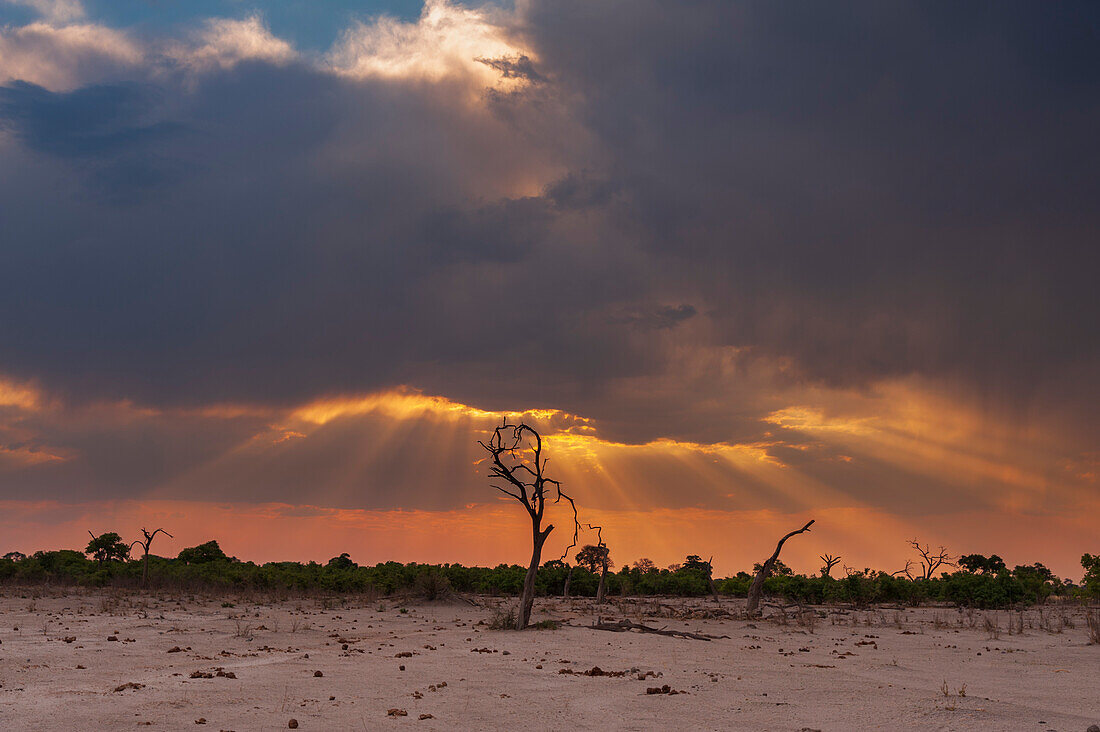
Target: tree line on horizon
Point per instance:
(978, 581)
(517, 468)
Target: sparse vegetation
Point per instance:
(432, 584)
(206, 567)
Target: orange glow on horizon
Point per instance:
(663, 498)
(490, 534)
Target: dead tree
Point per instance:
(145, 544)
(830, 562)
(605, 557)
(930, 560)
(757, 587)
(516, 460)
(568, 579)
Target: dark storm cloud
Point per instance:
(863, 192)
(266, 272)
(872, 190)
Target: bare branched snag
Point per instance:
(830, 562)
(757, 587)
(517, 469)
(602, 560)
(930, 560)
(145, 544)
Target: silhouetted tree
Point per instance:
(14, 556)
(695, 561)
(780, 569)
(981, 564)
(515, 452)
(597, 556)
(145, 544)
(645, 565)
(1091, 581)
(107, 547)
(591, 557)
(830, 562)
(765, 571)
(342, 562)
(203, 553)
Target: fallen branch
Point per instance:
(624, 625)
(777, 606)
(467, 600)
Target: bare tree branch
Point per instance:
(830, 562)
(931, 560)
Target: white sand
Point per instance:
(885, 675)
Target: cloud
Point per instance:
(19, 395)
(724, 226)
(448, 42)
(223, 43)
(61, 58)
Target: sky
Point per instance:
(269, 270)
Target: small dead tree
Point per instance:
(517, 467)
(830, 562)
(930, 560)
(605, 558)
(145, 544)
(756, 590)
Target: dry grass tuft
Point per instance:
(1092, 620)
(503, 619)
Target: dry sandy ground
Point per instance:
(336, 667)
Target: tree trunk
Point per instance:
(710, 580)
(527, 599)
(601, 593)
(568, 579)
(145, 572)
(756, 590)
